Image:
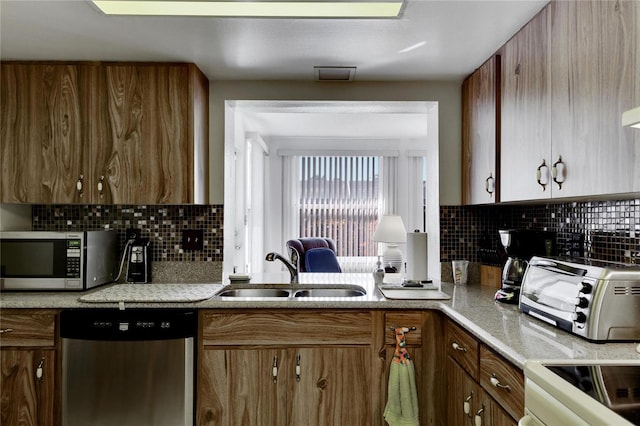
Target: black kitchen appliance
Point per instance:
(139, 261)
(520, 246)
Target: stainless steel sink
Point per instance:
(287, 290)
(330, 292)
(254, 292)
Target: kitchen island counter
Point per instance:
(516, 336)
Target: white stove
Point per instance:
(588, 393)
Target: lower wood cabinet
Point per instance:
(285, 368)
(482, 387)
(469, 404)
(28, 373)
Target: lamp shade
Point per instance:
(390, 230)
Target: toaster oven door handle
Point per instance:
(562, 269)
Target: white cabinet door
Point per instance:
(525, 140)
(595, 76)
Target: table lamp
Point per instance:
(392, 232)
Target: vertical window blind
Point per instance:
(339, 199)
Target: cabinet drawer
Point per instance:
(403, 319)
(27, 328)
(509, 392)
(463, 347)
(278, 327)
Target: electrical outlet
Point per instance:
(192, 239)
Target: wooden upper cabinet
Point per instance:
(595, 77)
(480, 135)
(525, 139)
(43, 132)
(104, 133)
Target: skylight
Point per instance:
(264, 9)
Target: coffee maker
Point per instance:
(520, 246)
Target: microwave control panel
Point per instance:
(74, 251)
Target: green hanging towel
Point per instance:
(402, 396)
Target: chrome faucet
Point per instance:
(291, 267)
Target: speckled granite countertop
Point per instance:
(518, 337)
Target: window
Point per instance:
(340, 199)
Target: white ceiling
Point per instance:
(449, 38)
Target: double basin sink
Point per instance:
(297, 291)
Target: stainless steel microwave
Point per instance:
(39, 260)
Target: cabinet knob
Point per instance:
(495, 382)
(101, 186)
(39, 370)
(457, 347)
(466, 407)
(80, 185)
(478, 419)
(490, 184)
(542, 174)
(274, 370)
(559, 172)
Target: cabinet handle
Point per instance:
(6, 330)
(478, 419)
(80, 185)
(495, 382)
(543, 178)
(298, 368)
(101, 186)
(490, 184)
(517, 70)
(274, 370)
(39, 370)
(466, 407)
(457, 347)
(559, 169)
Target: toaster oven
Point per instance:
(596, 300)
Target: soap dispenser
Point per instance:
(378, 274)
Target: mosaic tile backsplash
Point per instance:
(162, 224)
(611, 229)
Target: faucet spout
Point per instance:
(293, 271)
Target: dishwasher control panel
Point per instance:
(131, 324)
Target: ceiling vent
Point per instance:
(334, 73)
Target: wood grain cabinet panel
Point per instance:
(463, 348)
(595, 76)
(28, 368)
(27, 328)
(480, 135)
(503, 381)
(525, 138)
(96, 133)
(150, 159)
(285, 376)
(43, 114)
(471, 395)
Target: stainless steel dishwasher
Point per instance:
(128, 367)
